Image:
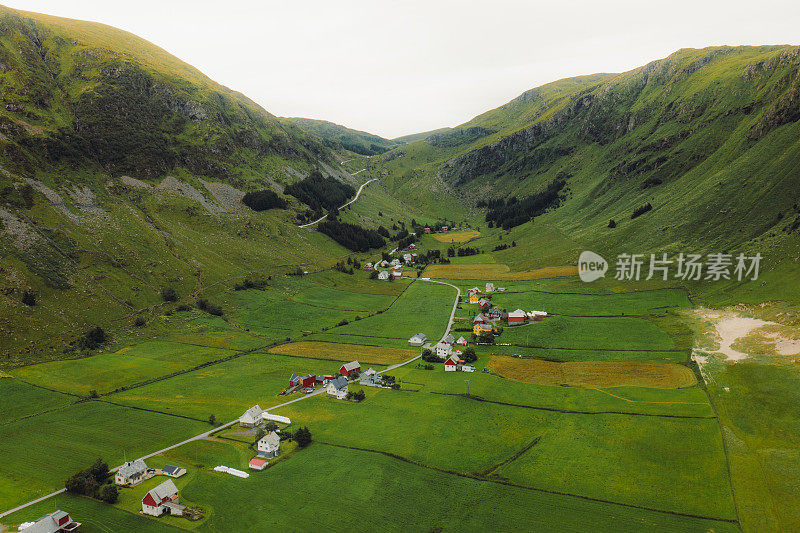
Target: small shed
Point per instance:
(256, 463)
(173, 471)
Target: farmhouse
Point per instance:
(257, 463)
(348, 368)
(443, 350)
(337, 388)
(269, 445)
(473, 290)
(369, 378)
(395, 262)
(490, 287)
(462, 341)
(482, 329)
(474, 298)
(368, 267)
(131, 473)
(452, 364)
(426, 229)
(516, 317)
(251, 417)
(52, 523)
(417, 340)
(295, 380)
(483, 303)
(173, 471)
(479, 319)
(162, 499)
(494, 313)
(383, 275)
(408, 258)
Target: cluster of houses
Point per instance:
(162, 499)
(394, 267)
(489, 314)
(454, 364)
(51, 523)
(132, 473)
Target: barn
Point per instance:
(348, 368)
(517, 317)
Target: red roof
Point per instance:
(453, 361)
(255, 461)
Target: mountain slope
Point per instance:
(710, 138)
(337, 137)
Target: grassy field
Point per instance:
(595, 374)
(227, 389)
(79, 434)
(456, 236)
(345, 352)
(574, 303)
(22, 400)
(424, 307)
(107, 372)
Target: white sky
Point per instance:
(399, 67)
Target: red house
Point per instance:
(309, 380)
(494, 313)
(516, 317)
(348, 368)
(479, 319)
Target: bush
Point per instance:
(208, 307)
(139, 322)
(469, 355)
(612, 223)
(303, 437)
(109, 493)
(92, 339)
(29, 298)
(641, 210)
(168, 294)
(88, 482)
(263, 200)
(429, 357)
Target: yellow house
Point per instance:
(474, 298)
(478, 329)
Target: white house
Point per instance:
(474, 290)
(449, 339)
(395, 262)
(269, 445)
(337, 388)
(162, 499)
(369, 378)
(408, 258)
(131, 473)
(490, 287)
(51, 523)
(383, 275)
(443, 350)
(451, 365)
(251, 417)
(417, 340)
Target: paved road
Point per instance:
(358, 193)
(208, 433)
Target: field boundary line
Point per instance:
(574, 411)
(514, 457)
(150, 410)
(527, 487)
(646, 401)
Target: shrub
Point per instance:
(168, 294)
(139, 322)
(303, 437)
(29, 298)
(109, 493)
(429, 357)
(92, 339)
(612, 223)
(208, 307)
(641, 210)
(469, 355)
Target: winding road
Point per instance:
(358, 193)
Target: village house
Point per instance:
(462, 341)
(348, 368)
(417, 340)
(52, 523)
(479, 319)
(449, 339)
(426, 229)
(269, 445)
(173, 471)
(310, 380)
(251, 417)
(337, 388)
(482, 329)
(369, 378)
(163, 499)
(295, 380)
(516, 317)
(483, 303)
(368, 267)
(395, 262)
(495, 313)
(490, 287)
(452, 364)
(383, 275)
(443, 350)
(397, 273)
(131, 473)
(408, 258)
(474, 297)
(257, 463)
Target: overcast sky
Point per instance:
(393, 68)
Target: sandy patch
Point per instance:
(758, 335)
